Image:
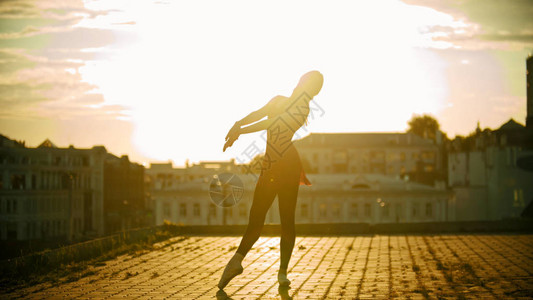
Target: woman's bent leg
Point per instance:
(264, 195)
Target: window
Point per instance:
(393, 156)
(166, 210)
(340, 157)
(368, 210)
(377, 155)
(390, 169)
(303, 210)
(385, 210)
(323, 210)
(354, 210)
(242, 210)
(414, 210)
(336, 210)
(11, 230)
(212, 210)
(428, 155)
(33, 182)
(518, 198)
(429, 210)
(196, 209)
(183, 209)
(85, 161)
(398, 211)
(18, 182)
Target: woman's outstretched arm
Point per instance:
(252, 117)
(234, 133)
(256, 115)
(261, 125)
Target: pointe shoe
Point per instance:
(283, 280)
(233, 268)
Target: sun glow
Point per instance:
(187, 70)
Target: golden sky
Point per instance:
(165, 80)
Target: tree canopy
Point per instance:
(425, 126)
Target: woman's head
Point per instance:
(311, 83)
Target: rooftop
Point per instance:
(363, 139)
(473, 266)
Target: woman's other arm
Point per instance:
(251, 118)
(233, 135)
(254, 116)
(258, 114)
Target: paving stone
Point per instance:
(482, 266)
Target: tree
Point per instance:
(255, 165)
(424, 125)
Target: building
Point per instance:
(529, 91)
(333, 198)
(391, 154)
(181, 195)
(485, 176)
(491, 171)
(51, 193)
(124, 195)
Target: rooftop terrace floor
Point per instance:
(498, 266)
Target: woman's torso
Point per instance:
(281, 158)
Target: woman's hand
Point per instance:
(232, 136)
(234, 131)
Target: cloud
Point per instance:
(490, 24)
(21, 93)
(41, 51)
(51, 90)
(49, 9)
(126, 23)
(526, 37)
(10, 62)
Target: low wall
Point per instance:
(93, 248)
(365, 228)
(76, 252)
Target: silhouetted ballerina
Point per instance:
(281, 170)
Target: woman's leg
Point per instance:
(287, 205)
(264, 195)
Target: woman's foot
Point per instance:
(282, 278)
(233, 268)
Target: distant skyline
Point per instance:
(165, 80)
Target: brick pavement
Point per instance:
(498, 266)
